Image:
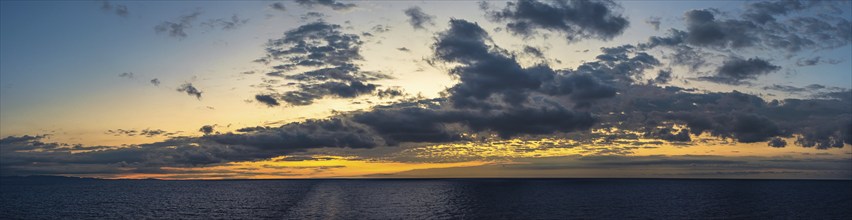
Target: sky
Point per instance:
(426, 89)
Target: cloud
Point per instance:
(742, 117)
(495, 97)
(278, 6)
(816, 61)
(189, 89)
(535, 52)
(206, 129)
(704, 30)
(267, 100)
(777, 142)
(576, 20)
(177, 28)
(488, 72)
(21, 139)
(312, 15)
(764, 12)
(785, 88)
(328, 55)
(226, 24)
(390, 93)
(736, 70)
(144, 132)
(126, 75)
(663, 76)
(408, 122)
(758, 28)
(654, 22)
(155, 82)
(380, 28)
(118, 9)
(337, 6)
(418, 19)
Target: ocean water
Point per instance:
(22, 198)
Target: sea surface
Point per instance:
(59, 198)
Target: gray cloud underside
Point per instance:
(576, 20)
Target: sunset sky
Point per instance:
(411, 89)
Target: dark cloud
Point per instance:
(278, 6)
(155, 82)
(736, 70)
(118, 9)
(764, 12)
(495, 97)
(307, 93)
(390, 93)
(576, 20)
(777, 142)
(126, 75)
(312, 15)
(21, 139)
(121, 10)
(704, 30)
(253, 129)
(418, 19)
(326, 3)
(226, 24)
(812, 89)
(669, 134)
(144, 132)
(785, 88)
(153, 132)
(532, 51)
(207, 129)
(759, 27)
(412, 121)
(654, 22)
(380, 28)
(189, 89)
(489, 72)
(267, 100)
(741, 117)
(663, 76)
(330, 54)
(815, 61)
(403, 49)
(177, 28)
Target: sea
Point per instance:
(68, 198)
